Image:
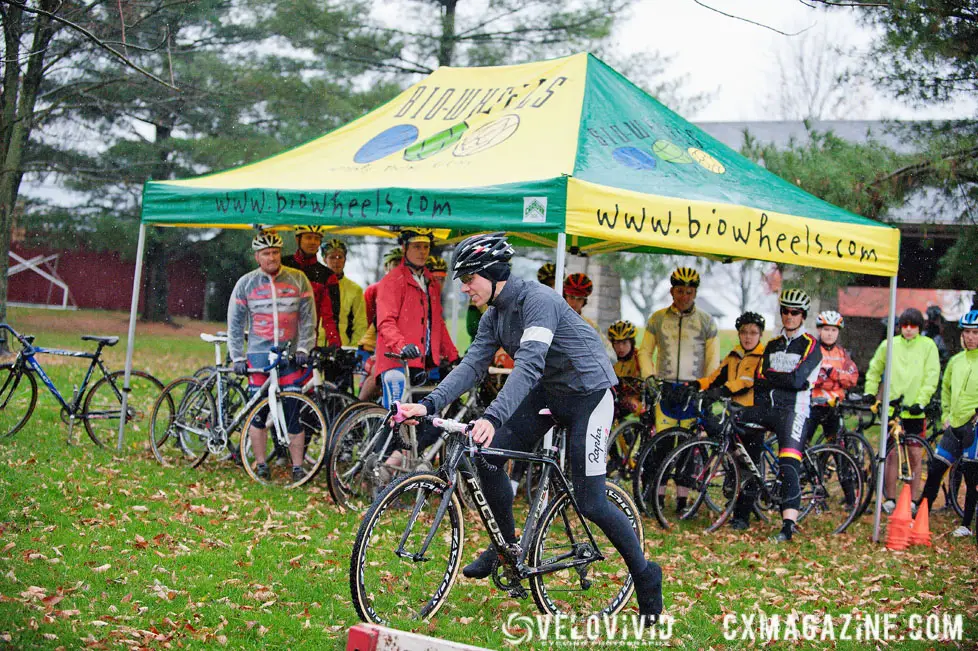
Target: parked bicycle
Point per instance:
(715, 471)
(99, 408)
(410, 543)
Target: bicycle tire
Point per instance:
(402, 581)
(352, 466)
(180, 424)
(952, 488)
(235, 398)
(349, 411)
(865, 457)
(652, 453)
(550, 543)
(624, 439)
(928, 456)
(712, 492)
(102, 410)
(836, 469)
(313, 423)
(11, 403)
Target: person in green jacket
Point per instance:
(959, 414)
(916, 370)
(352, 313)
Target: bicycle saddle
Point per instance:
(108, 341)
(221, 337)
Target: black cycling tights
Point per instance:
(791, 429)
(588, 421)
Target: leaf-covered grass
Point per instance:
(106, 550)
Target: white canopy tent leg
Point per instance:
(884, 409)
(561, 263)
(130, 343)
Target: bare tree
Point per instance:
(815, 79)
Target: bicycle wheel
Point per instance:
(355, 468)
(865, 457)
(103, 407)
(831, 489)
(602, 586)
(302, 424)
(18, 397)
(344, 415)
(624, 446)
(651, 455)
(909, 441)
(391, 581)
(180, 424)
(709, 479)
(333, 403)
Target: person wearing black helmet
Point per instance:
(783, 396)
(555, 368)
(916, 373)
(734, 378)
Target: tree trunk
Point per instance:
(19, 97)
(156, 287)
(446, 43)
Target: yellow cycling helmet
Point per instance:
(334, 243)
(547, 274)
(394, 256)
(685, 277)
(436, 264)
(315, 230)
(622, 331)
(408, 235)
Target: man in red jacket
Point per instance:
(409, 318)
(325, 284)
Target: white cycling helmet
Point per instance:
(829, 318)
(266, 240)
(797, 299)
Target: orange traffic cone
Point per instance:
(899, 522)
(920, 531)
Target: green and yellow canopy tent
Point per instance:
(547, 150)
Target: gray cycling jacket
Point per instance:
(550, 343)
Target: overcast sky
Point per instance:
(738, 61)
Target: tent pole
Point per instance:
(561, 263)
(884, 408)
(130, 343)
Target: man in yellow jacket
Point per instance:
(684, 339)
(916, 371)
(351, 314)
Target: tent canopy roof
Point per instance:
(565, 145)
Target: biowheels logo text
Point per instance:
(570, 630)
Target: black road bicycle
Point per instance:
(410, 543)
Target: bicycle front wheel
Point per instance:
(573, 585)
(831, 489)
(623, 449)
(865, 457)
(295, 439)
(405, 558)
(650, 457)
(697, 485)
(180, 424)
(18, 397)
(103, 407)
(356, 468)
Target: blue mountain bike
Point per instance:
(99, 408)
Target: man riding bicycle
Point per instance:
(277, 307)
(555, 367)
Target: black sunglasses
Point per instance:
(466, 278)
(790, 312)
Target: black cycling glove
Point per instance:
(410, 351)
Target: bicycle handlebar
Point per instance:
(25, 340)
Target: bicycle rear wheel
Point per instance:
(602, 586)
(624, 446)
(391, 581)
(356, 455)
(831, 489)
(180, 424)
(651, 455)
(18, 397)
(103, 407)
(709, 476)
(864, 456)
(299, 413)
(910, 441)
(954, 488)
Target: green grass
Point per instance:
(111, 550)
